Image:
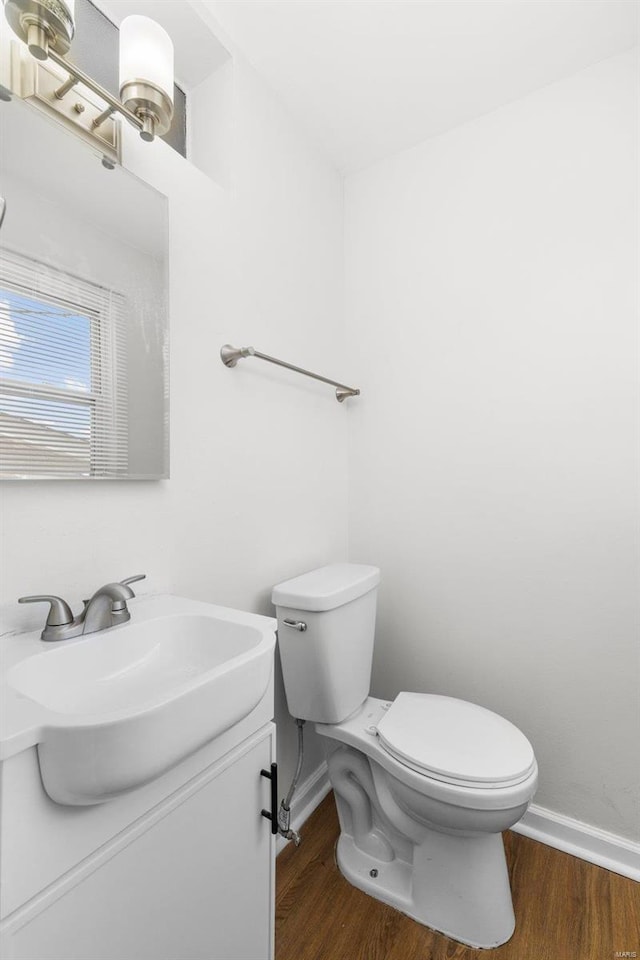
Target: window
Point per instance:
(63, 385)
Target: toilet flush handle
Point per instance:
(296, 624)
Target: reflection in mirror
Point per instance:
(83, 311)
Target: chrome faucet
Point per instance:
(106, 608)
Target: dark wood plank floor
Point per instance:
(565, 909)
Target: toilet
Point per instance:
(424, 784)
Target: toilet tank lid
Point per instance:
(327, 587)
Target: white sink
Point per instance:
(113, 710)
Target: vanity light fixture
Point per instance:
(146, 73)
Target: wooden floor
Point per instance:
(565, 909)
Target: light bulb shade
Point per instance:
(146, 74)
(146, 55)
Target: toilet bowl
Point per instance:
(430, 847)
(424, 784)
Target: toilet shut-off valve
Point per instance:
(284, 825)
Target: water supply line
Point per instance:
(284, 813)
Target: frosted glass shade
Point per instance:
(146, 54)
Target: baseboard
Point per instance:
(581, 840)
(563, 833)
(307, 797)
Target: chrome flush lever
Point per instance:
(296, 624)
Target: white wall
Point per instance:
(489, 297)
(258, 457)
(490, 305)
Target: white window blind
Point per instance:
(63, 374)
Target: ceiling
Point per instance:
(370, 77)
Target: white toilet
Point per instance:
(424, 784)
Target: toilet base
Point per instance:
(457, 885)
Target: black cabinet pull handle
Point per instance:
(272, 775)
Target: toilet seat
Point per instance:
(455, 741)
(360, 731)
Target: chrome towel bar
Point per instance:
(230, 356)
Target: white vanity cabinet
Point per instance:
(132, 788)
(181, 869)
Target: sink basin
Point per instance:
(116, 709)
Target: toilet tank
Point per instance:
(326, 623)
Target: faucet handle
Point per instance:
(120, 606)
(139, 576)
(59, 611)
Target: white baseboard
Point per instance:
(581, 840)
(563, 833)
(307, 797)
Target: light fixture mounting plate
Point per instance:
(38, 82)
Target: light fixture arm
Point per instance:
(115, 106)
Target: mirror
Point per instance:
(83, 310)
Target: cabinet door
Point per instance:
(197, 884)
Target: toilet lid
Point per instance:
(455, 741)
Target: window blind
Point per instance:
(63, 374)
